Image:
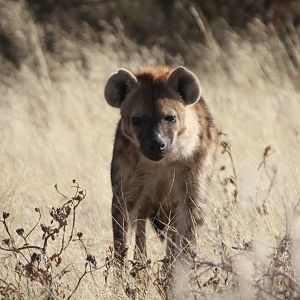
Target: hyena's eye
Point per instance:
(136, 121)
(170, 119)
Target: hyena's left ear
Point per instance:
(118, 86)
(186, 84)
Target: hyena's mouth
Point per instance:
(155, 156)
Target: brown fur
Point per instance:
(170, 191)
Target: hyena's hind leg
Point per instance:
(185, 237)
(181, 241)
(120, 228)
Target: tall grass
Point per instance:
(56, 126)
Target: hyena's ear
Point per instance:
(186, 84)
(118, 86)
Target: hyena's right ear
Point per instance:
(118, 86)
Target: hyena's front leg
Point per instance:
(120, 227)
(140, 251)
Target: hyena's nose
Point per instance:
(157, 146)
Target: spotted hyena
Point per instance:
(163, 156)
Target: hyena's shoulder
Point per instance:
(205, 118)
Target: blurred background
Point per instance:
(63, 27)
(55, 57)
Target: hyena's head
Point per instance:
(153, 106)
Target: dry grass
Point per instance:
(56, 126)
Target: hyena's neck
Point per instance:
(189, 141)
